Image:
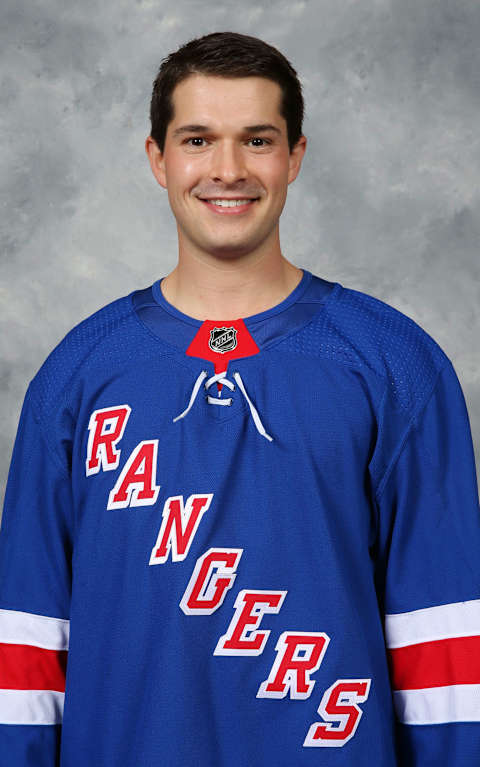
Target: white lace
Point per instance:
(221, 378)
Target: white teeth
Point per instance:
(230, 203)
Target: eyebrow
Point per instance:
(262, 128)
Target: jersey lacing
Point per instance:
(221, 377)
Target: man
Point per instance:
(242, 502)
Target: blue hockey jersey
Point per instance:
(242, 542)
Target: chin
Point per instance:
(228, 254)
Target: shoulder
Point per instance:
(61, 366)
(365, 331)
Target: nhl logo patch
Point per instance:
(223, 339)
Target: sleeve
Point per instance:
(35, 586)
(429, 521)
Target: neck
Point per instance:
(229, 291)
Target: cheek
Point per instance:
(277, 184)
(275, 176)
(181, 173)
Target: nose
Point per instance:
(228, 163)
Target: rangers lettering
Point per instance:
(206, 590)
(179, 525)
(291, 671)
(136, 483)
(106, 427)
(339, 704)
(250, 606)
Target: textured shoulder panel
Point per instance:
(52, 379)
(362, 331)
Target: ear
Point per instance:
(295, 159)
(157, 161)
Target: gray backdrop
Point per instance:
(387, 200)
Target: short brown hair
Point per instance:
(227, 54)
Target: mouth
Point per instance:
(229, 206)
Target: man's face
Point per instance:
(226, 158)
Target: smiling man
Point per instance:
(226, 164)
(241, 526)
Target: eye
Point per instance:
(195, 138)
(263, 141)
(257, 138)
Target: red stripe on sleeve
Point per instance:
(23, 667)
(436, 664)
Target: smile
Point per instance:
(224, 206)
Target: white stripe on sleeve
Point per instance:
(31, 706)
(18, 627)
(458, 619)
(438, 705)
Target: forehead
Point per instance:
(212, 100)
